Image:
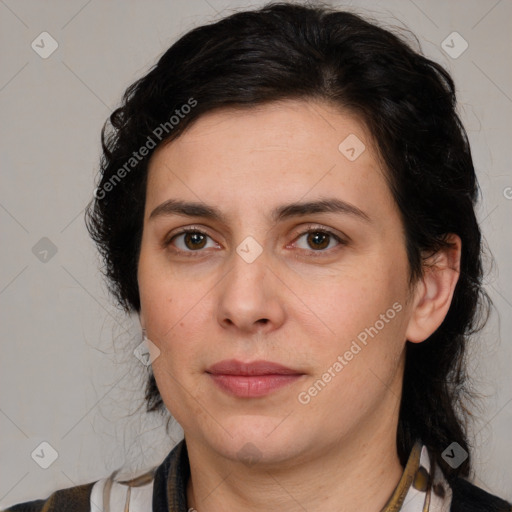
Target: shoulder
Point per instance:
(116, 495)
(93, 497)
(470, 498)
(74, 498)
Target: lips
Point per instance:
(253, 379)
(234, 367)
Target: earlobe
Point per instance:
(434, 291)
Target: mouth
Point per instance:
(252, 379)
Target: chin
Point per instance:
(259, 440)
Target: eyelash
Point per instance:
(311, 229)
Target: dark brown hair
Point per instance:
(407, 102)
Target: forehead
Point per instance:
(270, 154)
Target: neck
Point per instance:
(358, 472)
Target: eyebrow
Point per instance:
(196, 209)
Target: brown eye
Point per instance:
(318, 240)
(191, 240)
(194, 240)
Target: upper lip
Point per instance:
(235, 367)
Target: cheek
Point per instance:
(175, 320)
(346, 302)
(167, 299)
(357, 362)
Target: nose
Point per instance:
(250, 297)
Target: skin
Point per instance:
(296, 304)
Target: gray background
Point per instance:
(68, 374)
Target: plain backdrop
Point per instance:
(68, 374)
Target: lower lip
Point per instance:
(252, 386)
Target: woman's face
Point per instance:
(296, 256)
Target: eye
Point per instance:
(191, 240)
(319, 240)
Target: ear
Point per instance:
(434, 291)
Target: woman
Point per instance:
(287, 201)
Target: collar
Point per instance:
(171, 477)
(422, 487)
